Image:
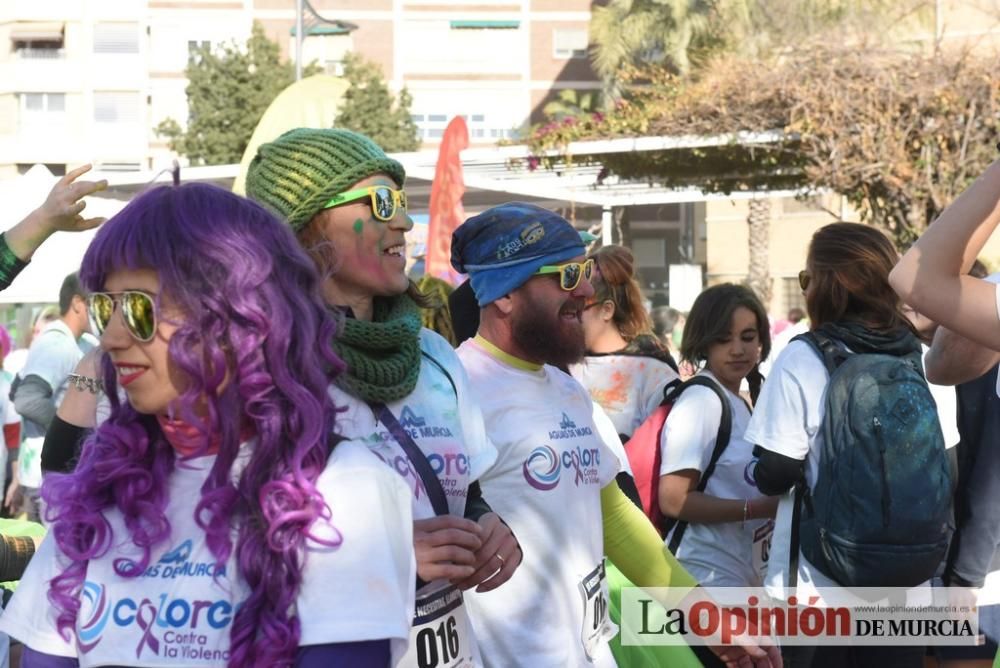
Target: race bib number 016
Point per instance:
(597, 626)
(440, 637)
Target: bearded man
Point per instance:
(554, 478)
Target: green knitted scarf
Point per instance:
(382, 356)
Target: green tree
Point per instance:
(371, 109)
(229, 89)
(684, 35)
(570, 103)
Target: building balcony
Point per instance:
(40, 54)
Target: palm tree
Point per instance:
(643, 32)
(759, 228)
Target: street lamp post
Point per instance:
(298, 40)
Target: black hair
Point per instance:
(71, 287)
(709, 321)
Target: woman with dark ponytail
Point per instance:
(726, 522)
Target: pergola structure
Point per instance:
(499, 174)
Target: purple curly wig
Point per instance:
(252, 348)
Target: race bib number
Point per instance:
(762, 547)
(597, 626)
(441, 635)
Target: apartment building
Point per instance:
(89, 80)
(494, 61)
(72, 84)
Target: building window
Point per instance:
(55, 168)
(116, 38)
(195, 44)
(432, 126)
(485, 25)
(569, 43)
(116, 107)
(792, 293)
(650, 252)
(37, 40)
(43, 103)
(119, 166)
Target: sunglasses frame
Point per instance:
(586, 270)
(398, 200)
(118, 305)
(804, 278)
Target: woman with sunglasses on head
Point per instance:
(405, 392)
(626, 370)
(868, 437)
(213, 519)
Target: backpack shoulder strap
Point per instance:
(721, 441)
(832, 353)
(725, 427)
(669, 390)
(793, 550)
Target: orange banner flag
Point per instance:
(446, 211)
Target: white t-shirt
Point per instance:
(947, 407)
(180, 611)
(726, 554)
(447, 425)
(787, 420)
(552, 463)
(780, 341)
(627, 387)
(52, 357)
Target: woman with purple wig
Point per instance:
(212, 519)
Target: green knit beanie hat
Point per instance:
(300, 171)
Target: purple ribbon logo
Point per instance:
(148, 639)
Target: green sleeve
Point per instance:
(631, 542)
(10, 264)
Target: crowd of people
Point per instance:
(268, 460)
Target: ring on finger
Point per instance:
(497, 555)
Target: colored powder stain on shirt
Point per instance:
(615, 396)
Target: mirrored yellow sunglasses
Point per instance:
(384, 200)
(569, 273)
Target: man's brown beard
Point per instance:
(544, 336)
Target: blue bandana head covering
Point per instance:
(501, 248)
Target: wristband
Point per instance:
(93, 385)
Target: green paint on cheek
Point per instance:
(359, 225)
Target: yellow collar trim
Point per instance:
(506, 358)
